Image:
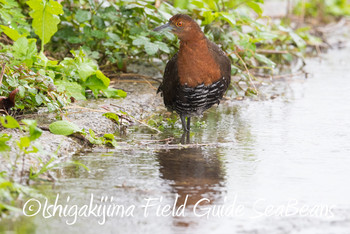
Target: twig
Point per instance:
(279, 76)
(168, 140)
(2, 72)
(157, 4)
(84, 108)
(144, 124)
(272, 51)
(104, 111)
(249, 75)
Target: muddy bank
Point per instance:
(140, 103)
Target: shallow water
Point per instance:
(280, 166)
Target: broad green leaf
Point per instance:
(212, 5)
(103, 78)
(63, 127)
(229, 18)
(25, 50)
(209, 17)
(151, 48)
(140, 41)
(183, 4)
(24, 142)
(113, 36)
(162, 46)
(4, 147)
(34, 131)
(82, 16)
(112, 116)
(38, 99)
(95, 84)
(86, 68)
(3, 139)
(255, 7)
(264, 59)
(110, 139)
(9, 122)
(45, 18)
(11, 33)
(98, 34)
(72, 88)
(114, 93)
(198, 4)
(297, 39)
(74, 40)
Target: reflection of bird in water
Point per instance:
(195, 172)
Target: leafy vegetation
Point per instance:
(26, 147)
(85, 35)
(44, 81)
(322, 10)
(66, 128)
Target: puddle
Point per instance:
(279, 166)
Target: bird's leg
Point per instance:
(185, 138)
(188, 123)
(183, 121)
(188, 137)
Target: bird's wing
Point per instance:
(223, 61)
(170, 82)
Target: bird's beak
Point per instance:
(166, 26)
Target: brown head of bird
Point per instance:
(184, 27)
(198, 75)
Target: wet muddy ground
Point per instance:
(279, 165)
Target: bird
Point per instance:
(6, 103)
(197, 76)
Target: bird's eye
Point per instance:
(179, 24)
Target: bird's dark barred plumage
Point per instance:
(194, 101)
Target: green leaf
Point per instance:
(264, 59)
(183, 4)
(86, 68)
(93, 139)
(114, 93)
(110, 140)
(162, 46)
(34, 131)
(38, 99)
(11, 33)
(63, 127)
(255, 7)
(208, 17)
(140, 41)
(103, 78)
(24, 142)
(82, 16)
(74, 40)
(95, 84)
(229, 18)
(151, 48)
(98, 34)
(25, 50)
(297, 39)
(45, 18)
(112, 116)
(9, 122)
(3, 139)
(72, 88)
